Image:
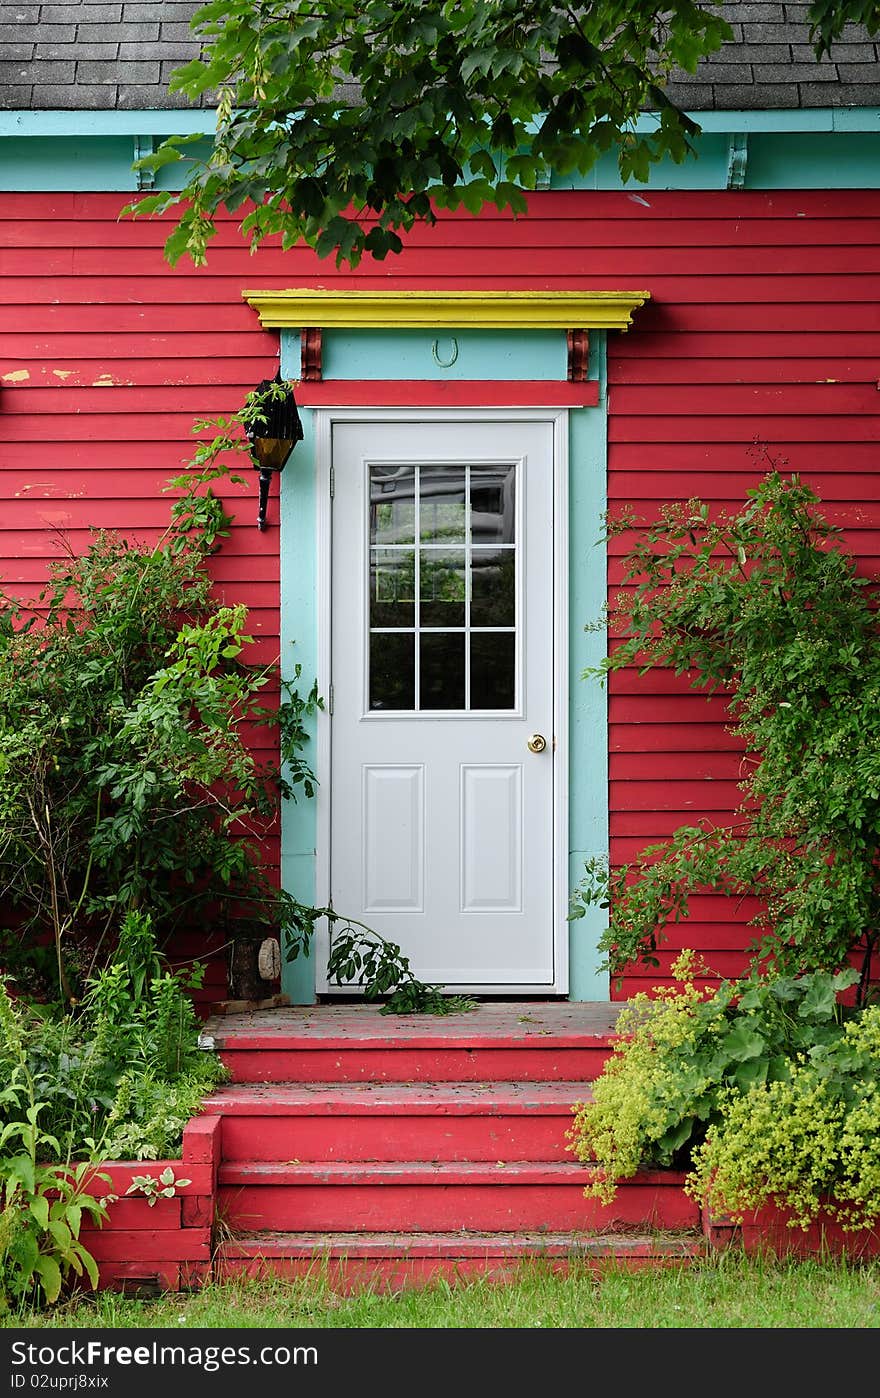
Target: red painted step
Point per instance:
(553, 1040)
(395, 1260)
(392, 1150)
(451, 1121)
(427, 1196)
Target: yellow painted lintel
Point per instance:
(303, 308)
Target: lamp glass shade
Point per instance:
(271, 453)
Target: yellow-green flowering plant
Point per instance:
(809, 1142)
(764, 1091)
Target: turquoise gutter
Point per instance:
(184, 121)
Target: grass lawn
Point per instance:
(727, 1292)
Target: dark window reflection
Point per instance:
(493, 670)
(392, 505)
(441, 671)
(392, 671)
(493, 587)
(493, 504)
(441, 588)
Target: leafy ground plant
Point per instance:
(119, 1076)
(116, 1077)
(765, 1092)
(43, 1196)
(358, 954)
(126, 777)
(765, 607)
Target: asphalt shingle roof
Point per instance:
(80, 55)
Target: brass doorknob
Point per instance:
(537, 742)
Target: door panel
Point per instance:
(442, 670)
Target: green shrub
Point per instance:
(765, 607)
(128, 776)
(764, 1091)
(809, 1142)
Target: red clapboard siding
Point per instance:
(761, 342)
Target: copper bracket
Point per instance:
(310, 353)
(578, 355)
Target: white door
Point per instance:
(442, 827)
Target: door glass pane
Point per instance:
(441, 504)
(442, 584)
(392, 587)
(493, 670)
(493, 515)
(493, 587)
(443, 578)
(441, 670)
(392, 670)
(392, 505)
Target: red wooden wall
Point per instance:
(763, 326)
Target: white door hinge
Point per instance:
(332, 481)
(330, 700)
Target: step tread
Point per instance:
(552, 1097)
(547, 1025)
(463, 1244)
(377, 1172)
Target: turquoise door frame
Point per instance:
(470, 355)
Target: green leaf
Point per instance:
(39, 1209)
(50, 1277)
(60, 1233)
(89, 1263)
(744, 1042)
(435, 87)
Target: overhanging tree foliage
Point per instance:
(342, 122)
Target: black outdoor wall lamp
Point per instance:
(272, 433)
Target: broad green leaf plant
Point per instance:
(765, 1092)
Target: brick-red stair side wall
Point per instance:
(168, 1243)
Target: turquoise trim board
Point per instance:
(480, 355)
(588, 824)
(299, 645)
(81, 163)
(792, 150)
(471, 354)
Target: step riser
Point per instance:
(391, 1208)
(362, 1064)
(361, 1138)
(396, 1274)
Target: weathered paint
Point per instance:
(762, 321)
